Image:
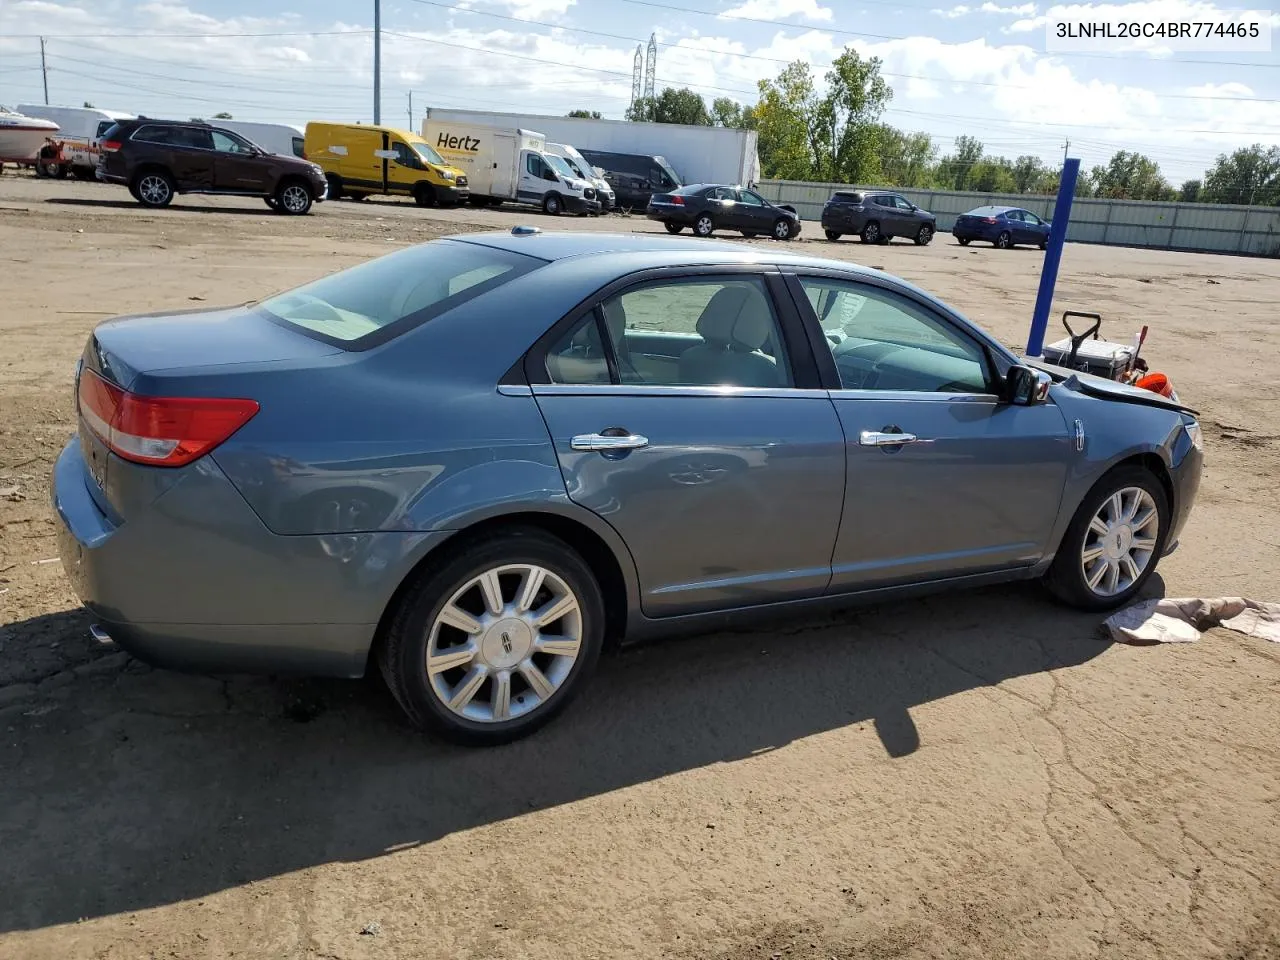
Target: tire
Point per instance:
(704, 226)
(963, 241)
(85, 174)
(271, 202)
(416, 627)
(1067, 579)
(1004, 241)
(552, 205)
(424, 195)
(924, 236)
(871, 232)
(293, 197)
(832, 235)
(782, 229)
(672, 228)
(154, 188)
(335, 187)
(1044, 245)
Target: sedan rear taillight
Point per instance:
(678, 201)
(988, 219)
(159, 431)
(109, 146)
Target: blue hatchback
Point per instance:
(1003, 227)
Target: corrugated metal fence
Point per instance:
(1199, 227)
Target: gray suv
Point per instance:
(876, 217)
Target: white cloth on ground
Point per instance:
(1181, 620)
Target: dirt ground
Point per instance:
(973, 776)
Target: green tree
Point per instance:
(1190, 191)
(222, 116)
(1028, 172)
(671, 106)
(726, 112)
(89, 106)
(1130, 176)
(786, 105)
(1248, 175)
(584, 114)
(906, 159)
(956, 169)
(992, 175)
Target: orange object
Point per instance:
(1158, 383)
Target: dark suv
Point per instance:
(159, 158)
(877, 217)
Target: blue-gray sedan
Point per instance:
(474, 460)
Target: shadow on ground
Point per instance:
(141, 789)
(179, 207)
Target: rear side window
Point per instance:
(153, 133)
(847, 198)
(380, 299)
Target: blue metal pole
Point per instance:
(1053, 257)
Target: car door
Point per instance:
(684, 409)
(975, 484)
(237, 167)
(907, 220)
(1037, 229)
(1016, 226)
(885, 210)
(721, 203)
(191, 157)
(752, 213)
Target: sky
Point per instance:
(974, 67)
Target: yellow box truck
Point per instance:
(359, 160)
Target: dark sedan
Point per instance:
(1003, 227)
(707, 208)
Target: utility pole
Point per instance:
(410, 111)
(1066, 145)
(44, 72)
(377, 62)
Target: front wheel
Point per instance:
(551, 205)
(704, 226)
(782, 229)
(492, 643)
(293, 198)
(1004, 241)
(963, 241)
(1113, 543)
(673, 227)
(832, 235)
(924, 236)
(424, 195)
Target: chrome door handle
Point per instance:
(601, 442)
(874, 438)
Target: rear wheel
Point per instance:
(963, 241)
(1004, 241)
(496, 640)
(924, 236)
(1113, 543)
(293, 197)
(871, 233)
(704, 226)
(672, 227)
(154, 188)
(832, 235)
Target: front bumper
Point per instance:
(1188, 466)
(451, 196)
(581, 205)
(195, 581)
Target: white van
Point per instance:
(511, 165)
(579, 165)
(79, 129)
(279, 138)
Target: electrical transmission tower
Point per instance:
(636, 68)
(650, 65)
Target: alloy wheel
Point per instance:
(703, 226)
(295, 198)
(1120, 541)
(504, 643)
(871, 233)
(153, 189)
(782, 230)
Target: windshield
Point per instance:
(425, 151)
(668, 169)
(559, 165)
(576, 168)
(395, 292)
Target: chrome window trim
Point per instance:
(667, 390)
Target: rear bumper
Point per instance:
(194, 581)
(668, 213)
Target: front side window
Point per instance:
(404, 156)
(699, 331)
(881, 341)
(903, 203)
(750, 199)
(299, 147)
(226, 143)
(533, 164)
(399, 290)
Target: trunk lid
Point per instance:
(178, 354)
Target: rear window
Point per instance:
(380, 299)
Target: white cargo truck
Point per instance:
(578, 163)
(696, 154)
(511, 165)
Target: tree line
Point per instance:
(835, 135)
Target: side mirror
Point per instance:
(1025, 386)
(550, 175)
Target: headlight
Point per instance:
(1193, 433)
(448, 175)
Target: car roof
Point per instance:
(661, 249)
(991, 208)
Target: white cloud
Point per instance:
(527, 9)
(779, 10)
(1020, 10)
(954, 12)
